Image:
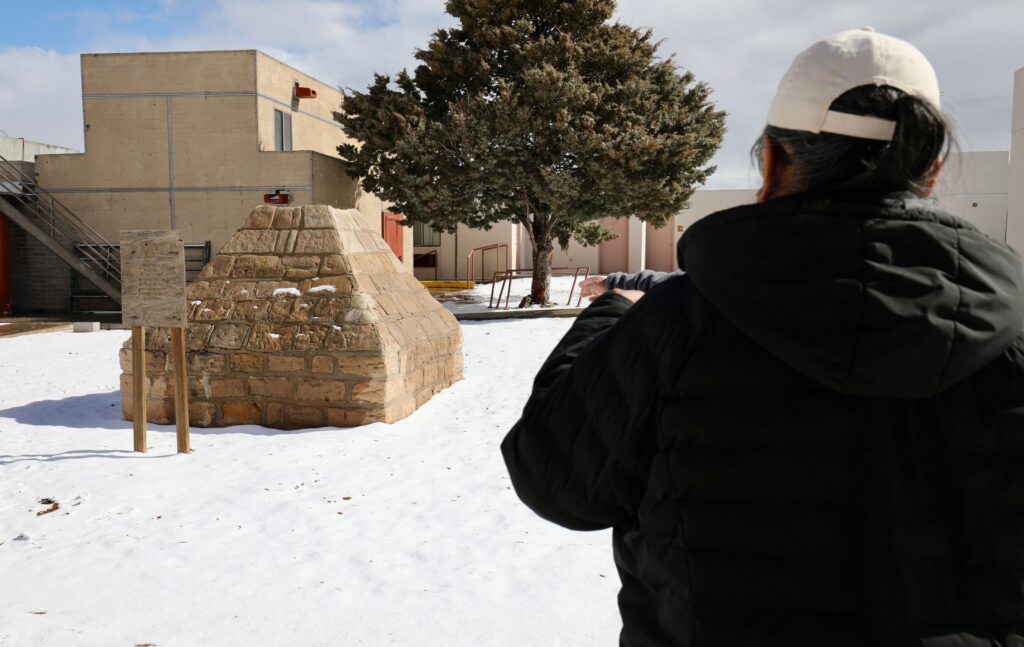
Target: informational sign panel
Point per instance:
(153, 279)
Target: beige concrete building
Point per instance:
(193, 141)
(974, 187)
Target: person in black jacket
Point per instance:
(815, 436)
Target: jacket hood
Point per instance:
(887, 297)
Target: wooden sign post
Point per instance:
(153, 295)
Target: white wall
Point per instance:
(1015, 203)
(973, 186)
(20, 149)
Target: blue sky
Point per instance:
(71, 26)
(740, 47)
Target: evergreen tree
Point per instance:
(541, 112)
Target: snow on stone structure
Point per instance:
(304, 319)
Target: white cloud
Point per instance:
(740, 47)
(41, 96)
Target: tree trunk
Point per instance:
(542, 253)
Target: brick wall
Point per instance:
(40, 282)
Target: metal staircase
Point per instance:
(61, 231)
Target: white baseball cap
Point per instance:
(839, 63)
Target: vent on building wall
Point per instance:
(304, 93)
(277, 197)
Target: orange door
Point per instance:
(394, 233)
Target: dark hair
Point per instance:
(829, 162)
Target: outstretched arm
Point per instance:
(580, 454)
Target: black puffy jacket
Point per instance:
(814, 437)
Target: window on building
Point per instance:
(424, 236)
(282, 131)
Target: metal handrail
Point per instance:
(507, 276)
(8, 165)
(61, 223)
(483, 250)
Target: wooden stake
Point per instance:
(180, 389)
(139, 394)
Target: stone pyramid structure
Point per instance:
(304, 319)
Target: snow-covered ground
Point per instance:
(480, 297)
(404, 534)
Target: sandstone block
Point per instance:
(353, 338)
(160, 411)
(253, 241)
(309, 338)
(258, 267)
(318, 241)
(211, 310)
(319, 390)
(260, 218)
(127, 405)
(198, 388)
(287, 218)
(241, 412)
(200, 362)
(266, 289)
(301, 267)
(330, 309)
(379, 392)
(251, 311)
(349, 243)
(220, 267)
(401, 408)
(228, 336)
(246, 363)
(323, 364)
(290, 310)
(202, 414)
(286, 364)
(367, 366)
(269, 338)
(334, 264)
(286, 241)
(304, 417)
(353, 417)
(274, 415)
(239, 290)
(195, 336)
(227, 387)
(389, 305)
(204, 290)
(317, 217)
(158, 339)
(274, 387)
(327, 286)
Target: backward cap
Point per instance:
(841, 62)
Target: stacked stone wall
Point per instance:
(304, 319)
